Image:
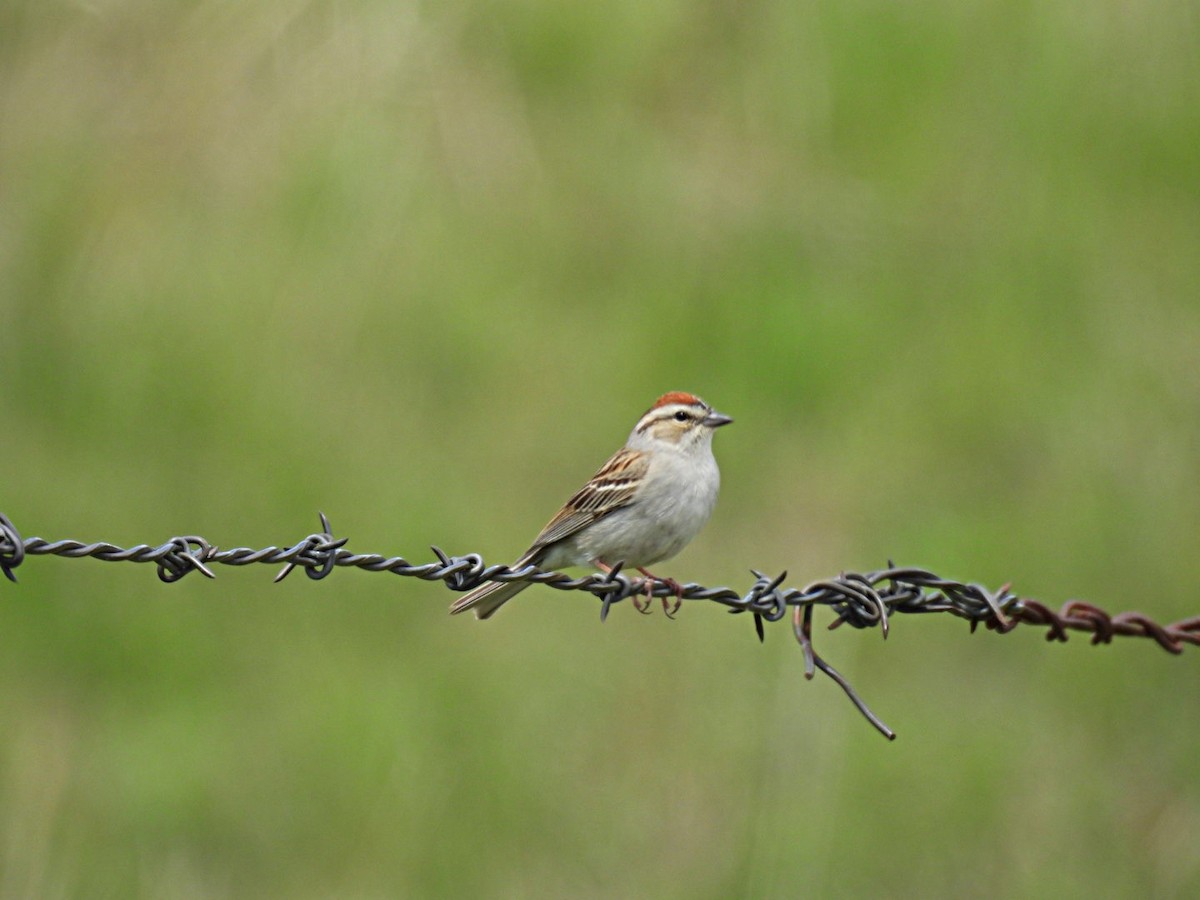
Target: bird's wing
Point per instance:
(609, 489)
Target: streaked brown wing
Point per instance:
(610, 488)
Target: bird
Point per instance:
(641, 507)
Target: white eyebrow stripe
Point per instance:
(665, 412)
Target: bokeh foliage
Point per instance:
(421, 266)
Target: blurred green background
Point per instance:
(421, 266)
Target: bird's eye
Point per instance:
(681, 416)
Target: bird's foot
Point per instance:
(674, 586)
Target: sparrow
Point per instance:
(643, 506)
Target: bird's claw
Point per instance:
(672, 585)
(670, 609)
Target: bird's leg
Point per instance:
(606, 568)
(675, 587)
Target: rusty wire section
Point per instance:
(862, 600)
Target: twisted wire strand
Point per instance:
(861, 600)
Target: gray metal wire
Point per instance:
(861, 600)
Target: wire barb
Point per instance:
(180, 559)
(12, 548)
(861, 600)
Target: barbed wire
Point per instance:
(861, 600)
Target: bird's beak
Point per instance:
(715, 419)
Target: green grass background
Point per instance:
(421, 265)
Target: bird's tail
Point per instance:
(488, 598)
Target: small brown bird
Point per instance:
(644, 505)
